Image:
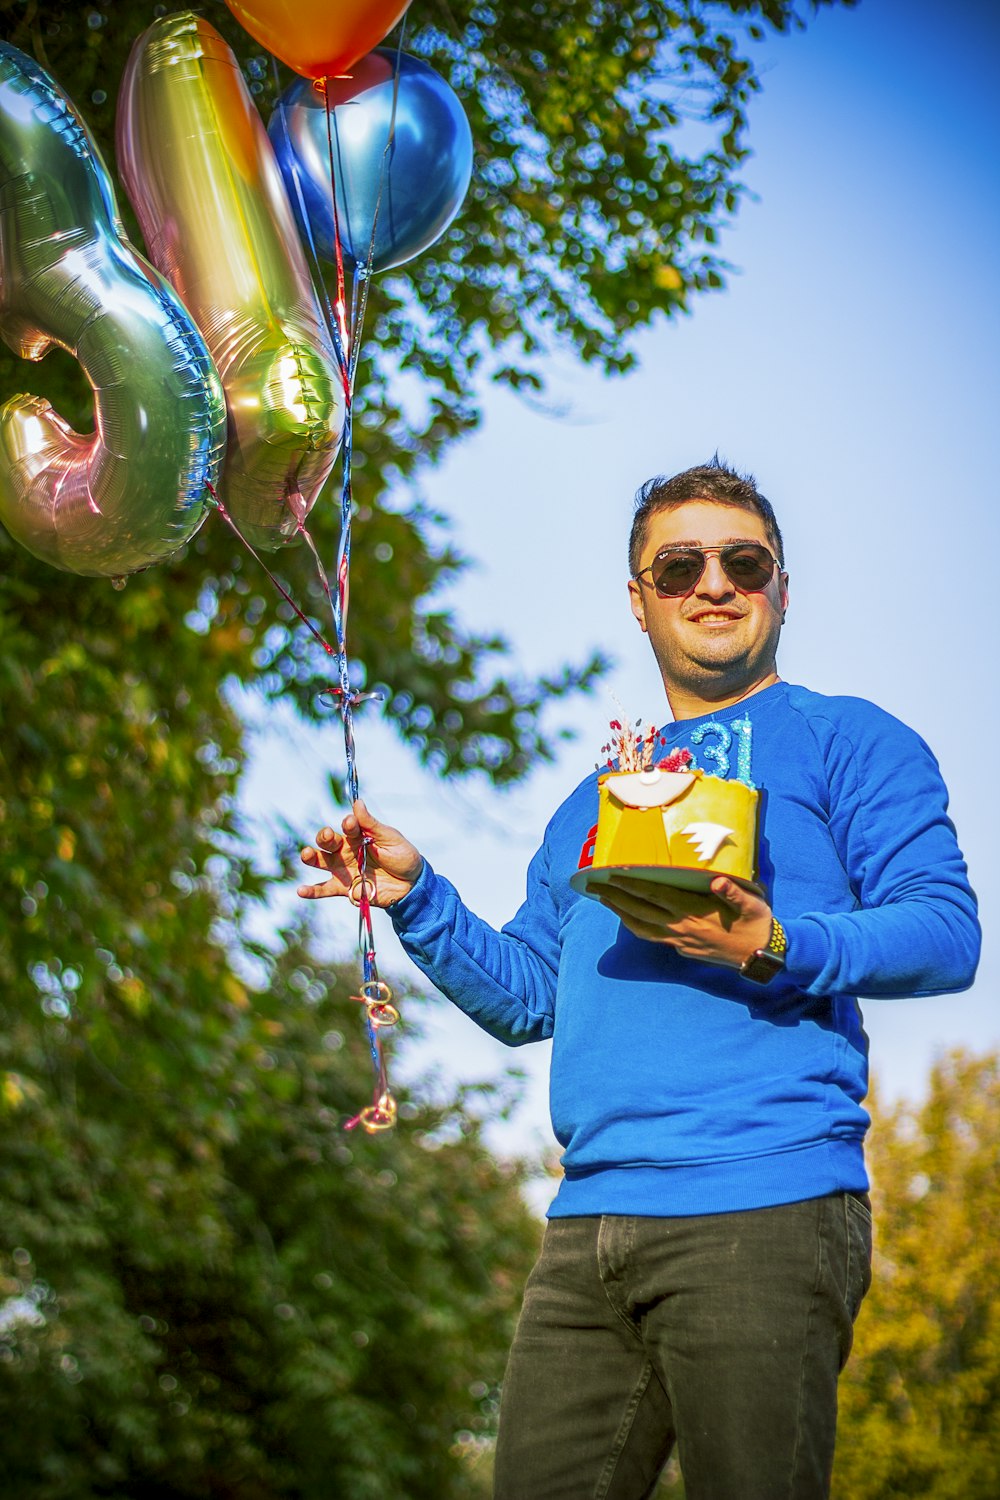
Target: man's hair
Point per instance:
(714, 481)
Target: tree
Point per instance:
(207, 1288)
(920, 1399)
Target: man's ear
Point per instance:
(783, 582)
(635, 599)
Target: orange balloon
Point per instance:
(318, 38)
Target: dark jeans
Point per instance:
(722, 1333)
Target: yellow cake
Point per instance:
(685, 822)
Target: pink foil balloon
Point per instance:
(202, 178)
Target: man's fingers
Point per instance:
(671, 900)
(743, 902)
(386, 856)
(650, 932)
(732, 894)
(635, 909)
(333, 887)
(363, 820)
(359, 824)
(320, 858)
(621, 902)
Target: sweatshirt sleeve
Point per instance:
(915, 930)
(506, 981)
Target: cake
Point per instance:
(671, 823)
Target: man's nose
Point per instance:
(714, 582)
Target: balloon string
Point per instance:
(346, 698)
(365, 273)
(224, 513)
(376, 996)
(338, 247)
(345, 335)
(305, 226)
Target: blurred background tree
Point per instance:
(920, 1400)
(920, 1397)
(206, 1288)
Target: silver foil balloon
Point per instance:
(402, 157)
(201, 175)
(133, 491)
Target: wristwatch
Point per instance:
(764, 963)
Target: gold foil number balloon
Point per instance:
(131, 492)
(201, 175)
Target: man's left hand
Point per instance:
(722, 927)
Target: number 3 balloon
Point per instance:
(133, 491)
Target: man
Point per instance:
(710, 1244)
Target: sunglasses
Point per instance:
(748, 566)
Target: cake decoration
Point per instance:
(670, 822)
(707, 838)
(717, 754)
(744, 748)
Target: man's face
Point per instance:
(713, 643)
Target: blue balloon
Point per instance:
(415, 168)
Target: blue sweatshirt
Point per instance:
(678, 1087)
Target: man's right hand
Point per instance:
(392, 864)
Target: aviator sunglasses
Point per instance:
(747, 565)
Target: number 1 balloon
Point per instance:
(133, 491)
(202, 178)
(401, 146)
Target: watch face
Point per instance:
(762, 966)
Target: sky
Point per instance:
(852, 365)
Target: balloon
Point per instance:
(318, 38)
(424, 175)
(133, 491)
(203, 181)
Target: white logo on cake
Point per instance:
(707, 838)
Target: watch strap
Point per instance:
(764, 963)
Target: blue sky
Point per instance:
(852, 364)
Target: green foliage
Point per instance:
(206, 1286)
(173, 1173)
(920, 1399)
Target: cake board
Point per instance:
(591, 881)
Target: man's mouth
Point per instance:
(714, 616)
